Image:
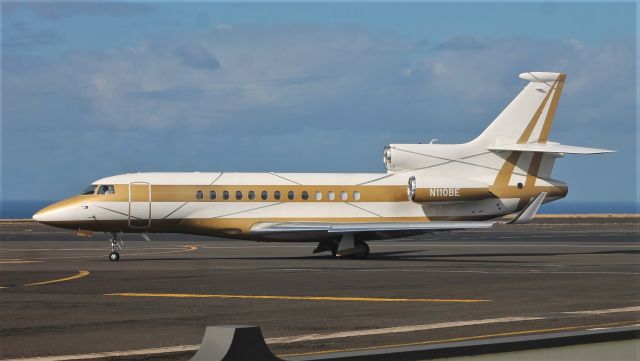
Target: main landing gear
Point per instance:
(345, 247)
(117, 243)
(359, 251)
(362, 250)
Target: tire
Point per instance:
(114, 256)
(364, 252)
(334, 250)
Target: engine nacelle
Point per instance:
(400, 157)
(433, 189)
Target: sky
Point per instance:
(101, 88)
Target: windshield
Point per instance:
(106, 189)
(89, 190)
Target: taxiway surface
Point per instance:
(62, 296)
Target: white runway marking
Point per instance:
(426, 244)
(399, 329)
(128, 353)
(503, 272)
(527, 272)
(608, 328)
(604, 312)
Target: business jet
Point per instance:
(426, 188)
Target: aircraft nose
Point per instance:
(42, 215)
(57, 212)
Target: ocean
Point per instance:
(25, 209)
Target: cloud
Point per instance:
(273, 81)
(238, 76)
(223, 27)
(461, 43)
(197, 57)
(56, 10)
(332, 97)
(21, 35)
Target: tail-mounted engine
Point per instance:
(433, 189)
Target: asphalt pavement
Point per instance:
(62, 296)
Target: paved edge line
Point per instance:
(479, 337)
(399, 329)
(604, 312)
(96, 355)
(294, 298)
(79, 275)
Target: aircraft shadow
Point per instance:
(404, 255)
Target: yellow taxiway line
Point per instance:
(295, 298)
(16, 261)
(79, 275)
(459, 339)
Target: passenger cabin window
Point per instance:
(213, 195)
(291, 195)
(199, 195)
(89, 190)
(264, 195)
(106, 189)
(225, 195)
(356, 196)
(318, 196)
(304, 195)
(343, 195)
(331, 195)
(277, 195)
(238, 195)
(252, 195)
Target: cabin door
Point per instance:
(139, 205)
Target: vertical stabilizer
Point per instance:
(529, 117)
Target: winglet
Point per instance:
(529, 211)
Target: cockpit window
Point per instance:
(106, 189)
(89, 190)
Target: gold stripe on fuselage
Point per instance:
(188, 193)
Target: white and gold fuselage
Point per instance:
(230, 204)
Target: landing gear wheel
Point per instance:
(117, 243)
(114, 256)
(363, 250)
(334, 250)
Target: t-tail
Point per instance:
(511, 159)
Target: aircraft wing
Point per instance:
(337, 228)
(360, 227)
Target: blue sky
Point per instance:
(95, 89)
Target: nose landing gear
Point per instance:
(114, 256)
(117, 243)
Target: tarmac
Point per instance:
(61, 295)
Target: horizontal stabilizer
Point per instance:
(540, 76)
(548, 148)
